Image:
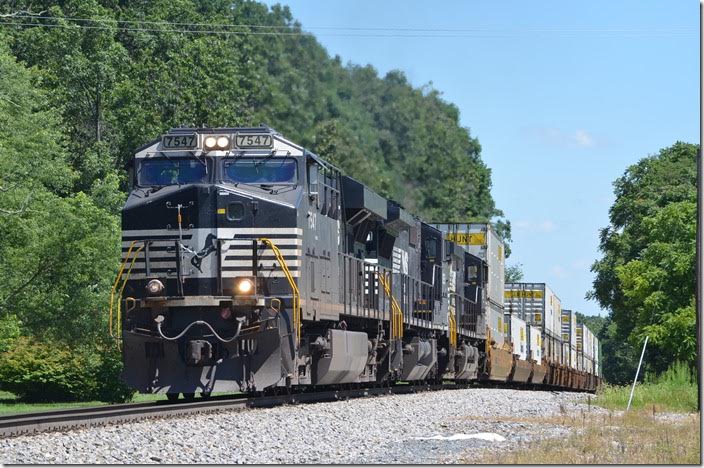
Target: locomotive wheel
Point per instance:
(189, 396)
(172, 396)
(205, 395)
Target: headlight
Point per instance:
(155, 287)
(210, 142)
(245, 286)
(223, 142)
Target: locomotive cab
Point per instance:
(211, 252)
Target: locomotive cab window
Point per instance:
(472, 274)
(313, 173)
(260, 171)
(173, 171)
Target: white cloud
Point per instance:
(534, 226)
(579, 138)
(583, 139)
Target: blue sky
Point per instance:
(562, 96)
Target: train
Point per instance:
(251, 264)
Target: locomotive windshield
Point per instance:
(172, 172)
(260, 171)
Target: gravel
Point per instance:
(388, 429)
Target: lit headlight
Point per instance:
(223, 142)
(155, 287)
(244, 286)
(210, 142)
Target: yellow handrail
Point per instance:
(396, 321)
(114, 286)
(122, 289)
(452, 325)
(292, 283)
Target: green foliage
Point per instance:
(674, 390)
(646, 275)
(109, 386)
(57, 248)
(47, 372)
(618, 358)
(10, 331)
(76, 101)
(117, 89)
(50, 371)
(513, 273)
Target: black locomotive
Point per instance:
(250, 263)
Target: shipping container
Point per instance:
(535, 303)
(481, 240)
(535, 344)
(597, 357)
(588, 345)
(539, 306)
(589, 340)
(569, 337)
(516, 333)
(495, 323)
(580, 360)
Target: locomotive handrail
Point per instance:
(114, 288)
(396, 319)
(452, 326)
(292, 283)
(122, 289)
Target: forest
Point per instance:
(85, 82)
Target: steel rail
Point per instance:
(77, 418)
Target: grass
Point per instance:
(10, 403)
(674, 390)
(636, 437)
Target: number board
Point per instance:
(254, 140)
(185, 141)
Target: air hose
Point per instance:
(160, 319)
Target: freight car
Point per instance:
(250, 263)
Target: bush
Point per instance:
(50, 372)
(110, 387)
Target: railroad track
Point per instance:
(60, 420)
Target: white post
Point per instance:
(637, 372)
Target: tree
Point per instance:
(646, 274)
(57, 249)
(513, 273)
(118, 87)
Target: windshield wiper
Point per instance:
(258, 162)
(154, 189)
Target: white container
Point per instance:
(569, 336)
(588, 340)
(518, 335)
(535, 303)
(481, 240)
(535, 344)
(495, 322)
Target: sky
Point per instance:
(562, 96)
